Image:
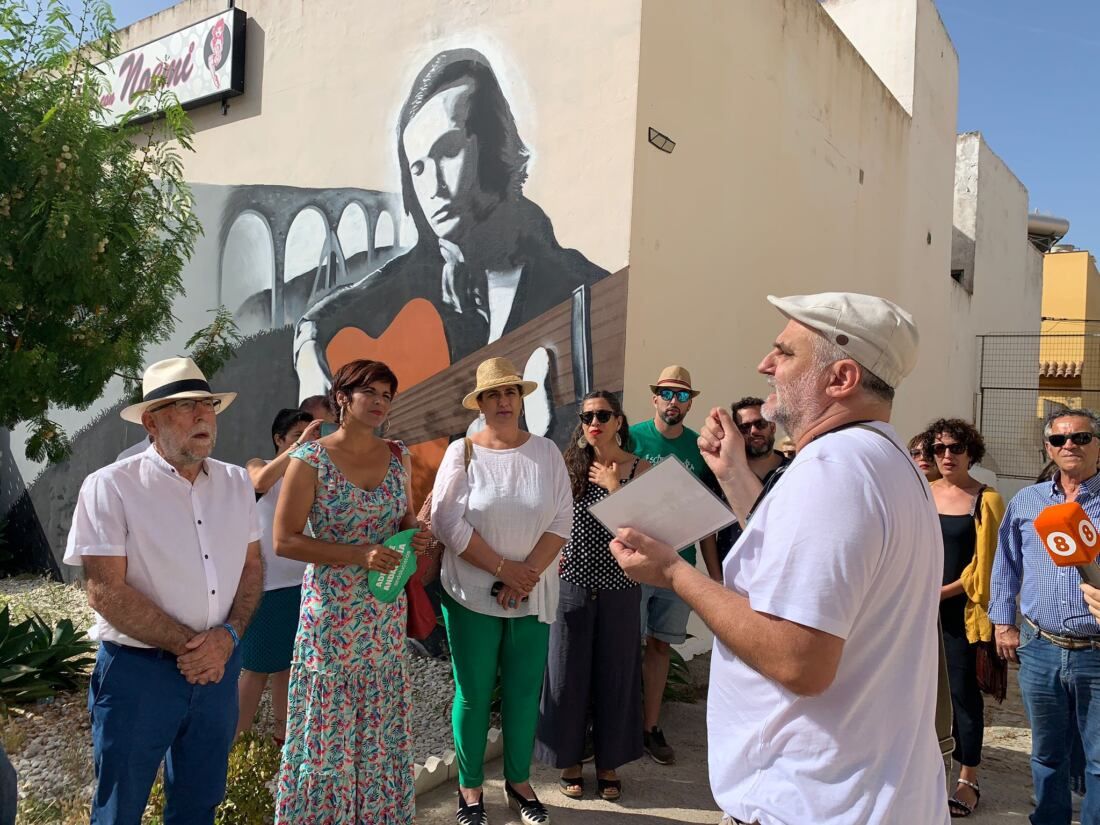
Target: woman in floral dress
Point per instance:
(348, 757)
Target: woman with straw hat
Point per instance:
(503, 507)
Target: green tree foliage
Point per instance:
(96, 223)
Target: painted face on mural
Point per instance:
(443, 161)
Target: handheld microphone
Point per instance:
(1070, 538)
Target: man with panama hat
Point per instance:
(169, 543)
(822, 700)
(665, 615)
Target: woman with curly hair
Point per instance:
(595, 659)
(970, 515)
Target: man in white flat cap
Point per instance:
(822, 696)
(169, 541)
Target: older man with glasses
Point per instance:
(664, 614)
(1058, 644)
(169, 540)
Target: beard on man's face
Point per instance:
(672, 417)
(757, 449)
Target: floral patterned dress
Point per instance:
(348, 758)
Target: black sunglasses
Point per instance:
(683, 396)
(603, 416)
(1080, 439)
(916, 453)
(954, 449)
(759, 424)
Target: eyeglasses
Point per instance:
(915, 453)
(683, 396)
(1080, 439)
(187, 405)
(603, 416)
(940, 448)
(759, 424)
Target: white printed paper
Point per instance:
(667, 503)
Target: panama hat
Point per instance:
(674, 378)
(497, 372)
(170, 380)
(877, 334)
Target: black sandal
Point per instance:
(531, 811)
(471, 814)
(957, 807)
(611, 790)
(572, 786)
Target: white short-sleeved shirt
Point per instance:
(847, 542)
(185, 544)
(279, 572)
(510, 497)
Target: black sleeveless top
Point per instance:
(586, 560)
(959, 540)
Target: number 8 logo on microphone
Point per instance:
(1062, 544)
(1087, 533)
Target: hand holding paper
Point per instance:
(644, 559)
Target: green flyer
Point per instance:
(386, 587)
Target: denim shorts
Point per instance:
(664, 615)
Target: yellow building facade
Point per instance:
(1069, 350)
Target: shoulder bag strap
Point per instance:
(908, 460)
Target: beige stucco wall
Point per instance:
(763, 193)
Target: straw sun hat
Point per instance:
(171, 380)
(497, 372)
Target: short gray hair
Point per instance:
(826, 353)
(1094, 419)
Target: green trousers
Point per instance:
(481, 647)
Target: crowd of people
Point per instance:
(211, 582)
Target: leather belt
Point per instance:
(1065, 642)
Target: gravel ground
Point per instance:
(50, 742)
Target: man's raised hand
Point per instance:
(722, 445)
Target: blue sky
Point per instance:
(1029, 80)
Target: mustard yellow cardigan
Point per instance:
(976, 576)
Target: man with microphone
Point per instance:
(822, 695)
(1058, 642)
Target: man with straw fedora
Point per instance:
(169, 540)
(664, 616)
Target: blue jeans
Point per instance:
(664, 615)
(144, 712)
(8, 790)
(1058, 685)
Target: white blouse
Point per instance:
(511, 498)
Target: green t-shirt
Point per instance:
(648, 443)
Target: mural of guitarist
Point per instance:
(486, 260)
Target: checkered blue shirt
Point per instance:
(1049, 595)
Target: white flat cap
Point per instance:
(875, 333)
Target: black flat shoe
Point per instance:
(471, 814)
(531, 811)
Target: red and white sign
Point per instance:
(200, 63)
